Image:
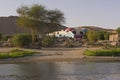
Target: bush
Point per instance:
(103, 52)
(68, 44)
(48, 41)
(21, 40)
(3, 55)
(5, 37)
(15, 53)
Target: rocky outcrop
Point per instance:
(9, 26)
(95, 28)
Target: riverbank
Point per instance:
(56, 54)
(46, 54)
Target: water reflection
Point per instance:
(61, 71)
(37, 71)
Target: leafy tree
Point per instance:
(100, 35)
(118, 29)
(106, 36)
(55, 19)
(91, 35)
(39, 19)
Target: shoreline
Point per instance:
(56, 55)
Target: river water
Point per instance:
(75, 70)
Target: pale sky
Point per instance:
(101, 13)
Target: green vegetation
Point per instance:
(15, 54)
(6, 37)
(91, 35)
(103, 52)
(94, 36)
(21, 40)
(106, 36)
(38, 19)
(118, 30)
(48, 41)
(68, 43)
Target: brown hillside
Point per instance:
(8, 26)
(95, 28)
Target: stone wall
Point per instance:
(114, 39)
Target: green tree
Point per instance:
(91, 35)
(106, 36)
(100, 35)
(39, 19)
(118, 29)
(55, 19)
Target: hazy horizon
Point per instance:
(101, 13)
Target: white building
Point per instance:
(69, 32)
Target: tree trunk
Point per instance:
(33, 36)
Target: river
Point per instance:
(75, 70)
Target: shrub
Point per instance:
(103, 52)
(68, 43)
(19, 53)
(48, 41)
(5, 37)
(3, 55)
(21, 40)
(15, 53)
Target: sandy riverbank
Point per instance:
(56, 54)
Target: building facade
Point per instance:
(114, 39)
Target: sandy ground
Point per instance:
(55, 54)
(46, 54)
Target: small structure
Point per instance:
(70, 32)
(114, 39)
(62, 33)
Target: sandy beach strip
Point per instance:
(55, 54)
